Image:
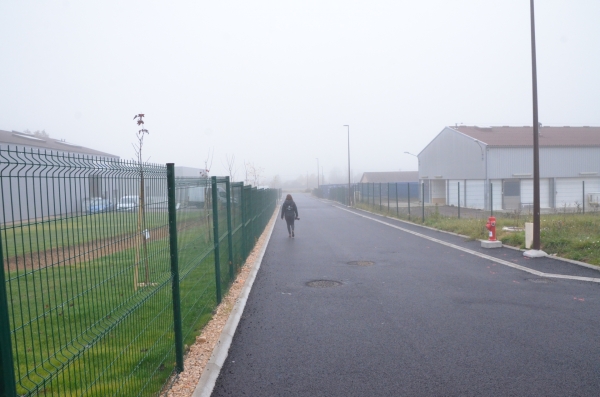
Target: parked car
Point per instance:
(99, 204)
(222, 193)
(128, 203)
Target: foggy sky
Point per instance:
(273, 82)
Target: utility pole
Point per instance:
(535, 252)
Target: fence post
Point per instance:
(423, 199)
(379, 196)
(458, 200)
(408, 185)
(229, 228)
(245, 231)
(8, 386)
(491, 199)
(388, 197)
(215, 204)
(397, 210)
(347, 197)
(177, 327)
(253, 212)
(583, 182)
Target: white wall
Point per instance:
(527, 192)
(452, 155)
(497, 192)
(569, 191)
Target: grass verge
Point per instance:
(567, 235)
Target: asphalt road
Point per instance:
(425, 319)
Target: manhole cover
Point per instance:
(540, 280)
(323, 283)
(361, 263)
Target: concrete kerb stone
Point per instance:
(491, 244)
(558, 258)
(207, 381)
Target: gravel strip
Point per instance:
(200, 352)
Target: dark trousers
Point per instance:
(290, 223)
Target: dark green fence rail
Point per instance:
(109, 269)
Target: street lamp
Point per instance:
(413, 155)
(480, 148)
(349, 193)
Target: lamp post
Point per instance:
(318, 169)
(349, 192)
(480, 148)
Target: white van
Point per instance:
(128, 203)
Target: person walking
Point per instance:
(289, 211)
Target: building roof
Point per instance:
(523, 136)
(25, 140)
(390, 177)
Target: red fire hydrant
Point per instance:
(491, 226)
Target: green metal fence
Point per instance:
(110, 268)
(571, 232)
(419, 201)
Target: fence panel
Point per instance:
(85, 281)
(101, 284)
(471, 199)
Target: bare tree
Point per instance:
(142, 248)
(230, 165)
(275, 182)
(209, 160)
(253, 173)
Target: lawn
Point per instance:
(43, 234)
(86, 328)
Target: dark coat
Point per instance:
(289, 209)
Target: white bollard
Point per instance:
(528, 234)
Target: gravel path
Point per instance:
(198, 355)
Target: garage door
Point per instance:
(527, 193)
(569, 191)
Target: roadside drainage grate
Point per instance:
(540, 280)
(323, 283)
(361, 263)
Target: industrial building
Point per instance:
(484, 167)
(389, 177)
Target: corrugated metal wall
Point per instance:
(527, 193)
(472, 193)
(569, 191)
(497, 195)
(452, 155)
(564, 162)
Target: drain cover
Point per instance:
(540, 280)
(323, 283)
(361, 263)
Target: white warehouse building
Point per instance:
(485, 166)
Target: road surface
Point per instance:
(433, 315)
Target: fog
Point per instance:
(272, 83)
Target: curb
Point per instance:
(558, 258)
(207, 381)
